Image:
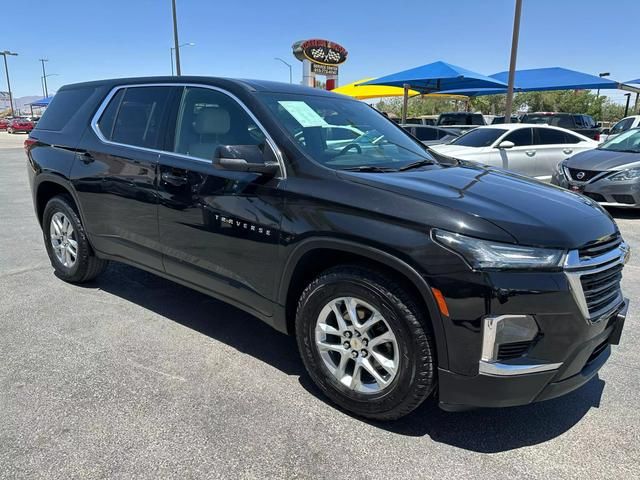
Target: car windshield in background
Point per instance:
(344, 134)
(628, 141)
(480, 137)
(563, 121)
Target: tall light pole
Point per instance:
(290, 68)
(601, 75)
(43, 82)
(44, 76)
(176, 44)
(512, 63)
(6, 71)
(626, 107)
(190, 44)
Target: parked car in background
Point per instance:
(431, 135)
(423, 120)
(609, 174)
(579, 123)
(498, 120)
(20, 124)
(623, 125)
(4, 122)
(533, 150)
(460, 120)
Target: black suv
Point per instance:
(579, 123)
(401, 276)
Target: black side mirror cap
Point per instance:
(246, 158)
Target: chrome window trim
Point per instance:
(94, 122)
(576, 268)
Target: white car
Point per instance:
(530, 149)
(627, 123)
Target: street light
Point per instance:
(44, 76)
(601, 75)
(288, 65)
(6, 71)
(190, 44)
(626, 107)
(43, 82)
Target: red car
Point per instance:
(4, 123)
(20, 124)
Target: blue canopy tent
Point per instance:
(436, 77)
(43, 102)
(542, 79)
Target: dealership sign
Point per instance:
(322, 69)
(321, 52)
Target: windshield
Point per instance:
(343, 133)
(628, 141)
(480, 137)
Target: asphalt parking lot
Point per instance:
(132, 376)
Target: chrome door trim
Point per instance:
(94, 122)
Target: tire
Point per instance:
(414, 377)
(84, 265)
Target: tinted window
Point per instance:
(426, 134)
(520, 137)
(62, 108)
(108, 118)
(569, 138)
(207, 119)
(140, 116)
(548, 136)
(480, 137)
(622, 125)
(564, 121)
(579, 119)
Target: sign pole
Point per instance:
(405, 102)
(512, 64)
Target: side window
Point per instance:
(207, 119)
(520, 137)
(139, 116)
(108, 118)
(569, 138)
(426, 134)
(548, 136)
(579, 119)
(63, 107)
(622, 125)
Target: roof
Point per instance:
(228, 83)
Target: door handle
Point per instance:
(530, 153)
(567, 151)
(86, 158)
(175, 180)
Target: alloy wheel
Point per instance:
(63, 239)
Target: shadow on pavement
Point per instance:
(486, 431)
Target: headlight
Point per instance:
(486, 254)
(630, 174)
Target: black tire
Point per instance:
(415, 379)
(86, 266)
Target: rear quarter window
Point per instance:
(63, 107)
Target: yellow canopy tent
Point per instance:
(364, 92)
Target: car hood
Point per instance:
(601, 160)
(457, 151)
(532, 212)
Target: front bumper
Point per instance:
(460, 392)
(608, 193)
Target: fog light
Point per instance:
(506, 329)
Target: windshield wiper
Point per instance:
(419, 163)
(370, 168)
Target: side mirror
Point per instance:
(246, 158)
(506, 144)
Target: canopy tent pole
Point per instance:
(512, 64)
(405, 102)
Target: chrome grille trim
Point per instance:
(575, 269)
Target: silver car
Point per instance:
(609, 174)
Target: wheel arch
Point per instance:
(315, 255)
(47, 187)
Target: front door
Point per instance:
(219, 229)
(115, 174)
(520, 158)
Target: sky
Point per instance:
(94, 39)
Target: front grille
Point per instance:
(599, 247)
(601, 288)
(512, 350)
(626, 199)
(587, 174)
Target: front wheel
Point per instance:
(364, 342)
(67, 245)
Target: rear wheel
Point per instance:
(364, 342)
(67, 245)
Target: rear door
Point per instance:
(219, 229)
(115, 173)
(552, 147)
